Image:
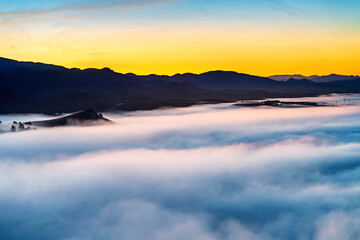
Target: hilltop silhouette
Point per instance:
(85, 117)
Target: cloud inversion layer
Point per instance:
(196, 173)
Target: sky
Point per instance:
(261, 37)
(207, 172)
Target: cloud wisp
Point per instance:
(196, 173)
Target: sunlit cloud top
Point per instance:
(168, 36)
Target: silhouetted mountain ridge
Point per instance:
(36, 87)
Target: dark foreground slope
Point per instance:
(35, 87)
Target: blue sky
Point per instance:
(229, 7)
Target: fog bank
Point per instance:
(205, 172)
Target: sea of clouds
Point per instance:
(199, 173)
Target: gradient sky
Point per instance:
(261, 37)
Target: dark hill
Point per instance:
(87, 117)
(11, 65)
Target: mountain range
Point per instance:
(315, 78)
(27, 87)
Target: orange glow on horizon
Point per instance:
(164, 51)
